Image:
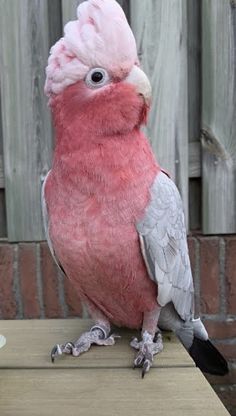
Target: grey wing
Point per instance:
(164, 247)
(46, 222)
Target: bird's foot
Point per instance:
(97, 335)
(147, 348)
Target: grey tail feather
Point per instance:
(185, 334)
(208, 358)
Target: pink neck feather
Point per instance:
(93, 160)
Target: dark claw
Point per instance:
(53, 353)
(139, 365)
(146, 367)
(70, 345)
(59, 349)
(138, 361)
(148, 355)
(156, 336)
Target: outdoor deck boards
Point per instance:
(100, 382)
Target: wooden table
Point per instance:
(100, 382)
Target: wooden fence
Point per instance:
(187, 48)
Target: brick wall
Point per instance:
(214, 268)
(32, 287)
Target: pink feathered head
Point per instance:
(100, 37)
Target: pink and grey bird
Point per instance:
(113, 219)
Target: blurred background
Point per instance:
(188, 50)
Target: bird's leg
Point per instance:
(151, 342)
(98, 334)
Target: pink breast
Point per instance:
(92, 217)
(104, 263)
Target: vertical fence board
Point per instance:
(1, 139)
(2, 192)
(194, 111)
(1, 148)
(26, 120)
(3, 230)
(69, 10)
(219, 116)
(2, 182)
(27, 30)
(160, 28)
(54, 20)
(194, 69)
(125, 4)
(195, 213)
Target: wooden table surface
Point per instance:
(101, 382)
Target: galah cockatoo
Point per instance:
(113, 218)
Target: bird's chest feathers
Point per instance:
(95, 197)
(93, 221)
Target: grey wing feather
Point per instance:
(46, 222)
(164, 247)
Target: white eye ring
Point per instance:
(97, 78)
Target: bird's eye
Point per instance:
(97, 77)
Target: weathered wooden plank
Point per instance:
(194, 69)
(2, 192)
(195, 199)
(194, 111)
(195, 190)
(26, 119)
(125, 4)
(160, 28)
(54, 20)
(219, 116)
(2, 182)
(1, 148)
(105, 392)
(69, 10)
(194, 170)
(3, 228)
(1, 139)
(33, 348)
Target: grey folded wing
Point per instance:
(164, 247)
(46, 223)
